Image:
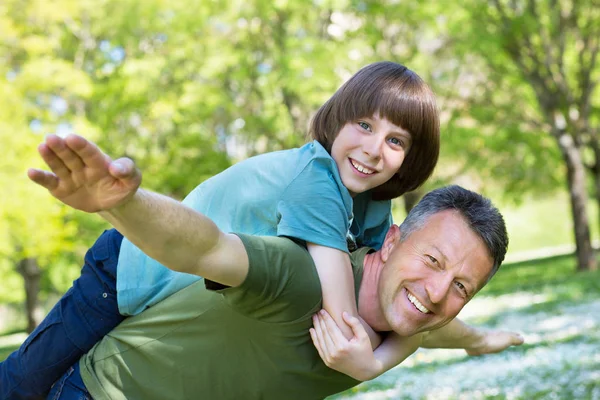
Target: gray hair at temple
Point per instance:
(480, 214)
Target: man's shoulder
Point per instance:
(281, 276)
(277, 246)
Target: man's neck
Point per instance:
(369, 307)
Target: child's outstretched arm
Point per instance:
(337, 285)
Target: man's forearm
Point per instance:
(164, 229)
(454, 335)
(179, 237)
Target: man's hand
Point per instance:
(82, 176)
(494, 341)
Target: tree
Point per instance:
(529, 68)
(170, 84)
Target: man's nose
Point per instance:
(438, 286)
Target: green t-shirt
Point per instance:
(247, 342)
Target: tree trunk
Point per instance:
(30, 270)
(595, 171)
(586, 259)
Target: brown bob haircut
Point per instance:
(402, 97)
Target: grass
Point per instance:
(558, 312)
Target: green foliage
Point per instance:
(186, 88)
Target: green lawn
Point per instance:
(556, 310)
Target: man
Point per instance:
(251, 340)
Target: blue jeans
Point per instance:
(86, 313)
(70, 387)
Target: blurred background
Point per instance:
(188, 87)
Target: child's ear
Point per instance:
(392, 238)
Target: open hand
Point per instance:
(352, 357)
(82, 176)
(495, 341)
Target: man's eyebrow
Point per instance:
(440, 252)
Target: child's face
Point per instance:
(368, 152)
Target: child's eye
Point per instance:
(396, 141)
(364, 125)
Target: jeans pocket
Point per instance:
(57, 389)
(70, 387)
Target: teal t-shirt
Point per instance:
(295, 193)
(247, 342)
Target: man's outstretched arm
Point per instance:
(178, 237)
(476, 341)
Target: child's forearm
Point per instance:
(180, 238)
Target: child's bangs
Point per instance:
(409, 108)
(408, 104)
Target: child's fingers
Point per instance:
(357, 328)
(320, 334)
(332, 328)
(316, 343)
(328, 340)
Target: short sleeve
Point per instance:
(316, 207)
(282, 283)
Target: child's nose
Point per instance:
(372, 146)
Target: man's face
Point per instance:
(429, 277)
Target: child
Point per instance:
(376, 138)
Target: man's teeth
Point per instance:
(362, 169)
(417, 304)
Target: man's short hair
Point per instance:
(480, 214)
(399, 95)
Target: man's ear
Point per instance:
(392, 238)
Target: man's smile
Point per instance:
(418, 305)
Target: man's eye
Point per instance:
(364, 125)
(432, 259)
(462, 288)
